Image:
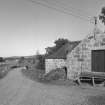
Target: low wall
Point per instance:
(51, 64)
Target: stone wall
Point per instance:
(79, 59)
(51, 64)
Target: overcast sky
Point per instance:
(26, 26)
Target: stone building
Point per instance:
(88, 56)
(58, 59)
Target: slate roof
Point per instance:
(63, 51)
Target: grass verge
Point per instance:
(51, 78)
(4, 69)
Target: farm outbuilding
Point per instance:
(88, 56)
(58, 59)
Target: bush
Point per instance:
(14, 67)
(33, 74)
(3, 70)
(2, 59)
(3, 74)
(40, 62)
(27, 62)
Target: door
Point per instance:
(98, 60)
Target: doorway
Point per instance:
(98, 60)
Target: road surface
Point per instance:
(16, 89)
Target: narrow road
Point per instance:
(15, 89)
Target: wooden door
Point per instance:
(98, 60)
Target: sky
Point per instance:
(27, 26)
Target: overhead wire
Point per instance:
(60, 10)
(67, 7)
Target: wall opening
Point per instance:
(98, 60)
(65, 68)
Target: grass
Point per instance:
(96, 100)
(52, 78)
(33, 73)
(4, 69)
(56, 74)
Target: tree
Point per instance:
(49, 50)
(102, 15)
(58, 44)
(1, 59)
(61, 41)
(37, 52)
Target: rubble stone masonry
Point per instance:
(79, 59)
(52, 64)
